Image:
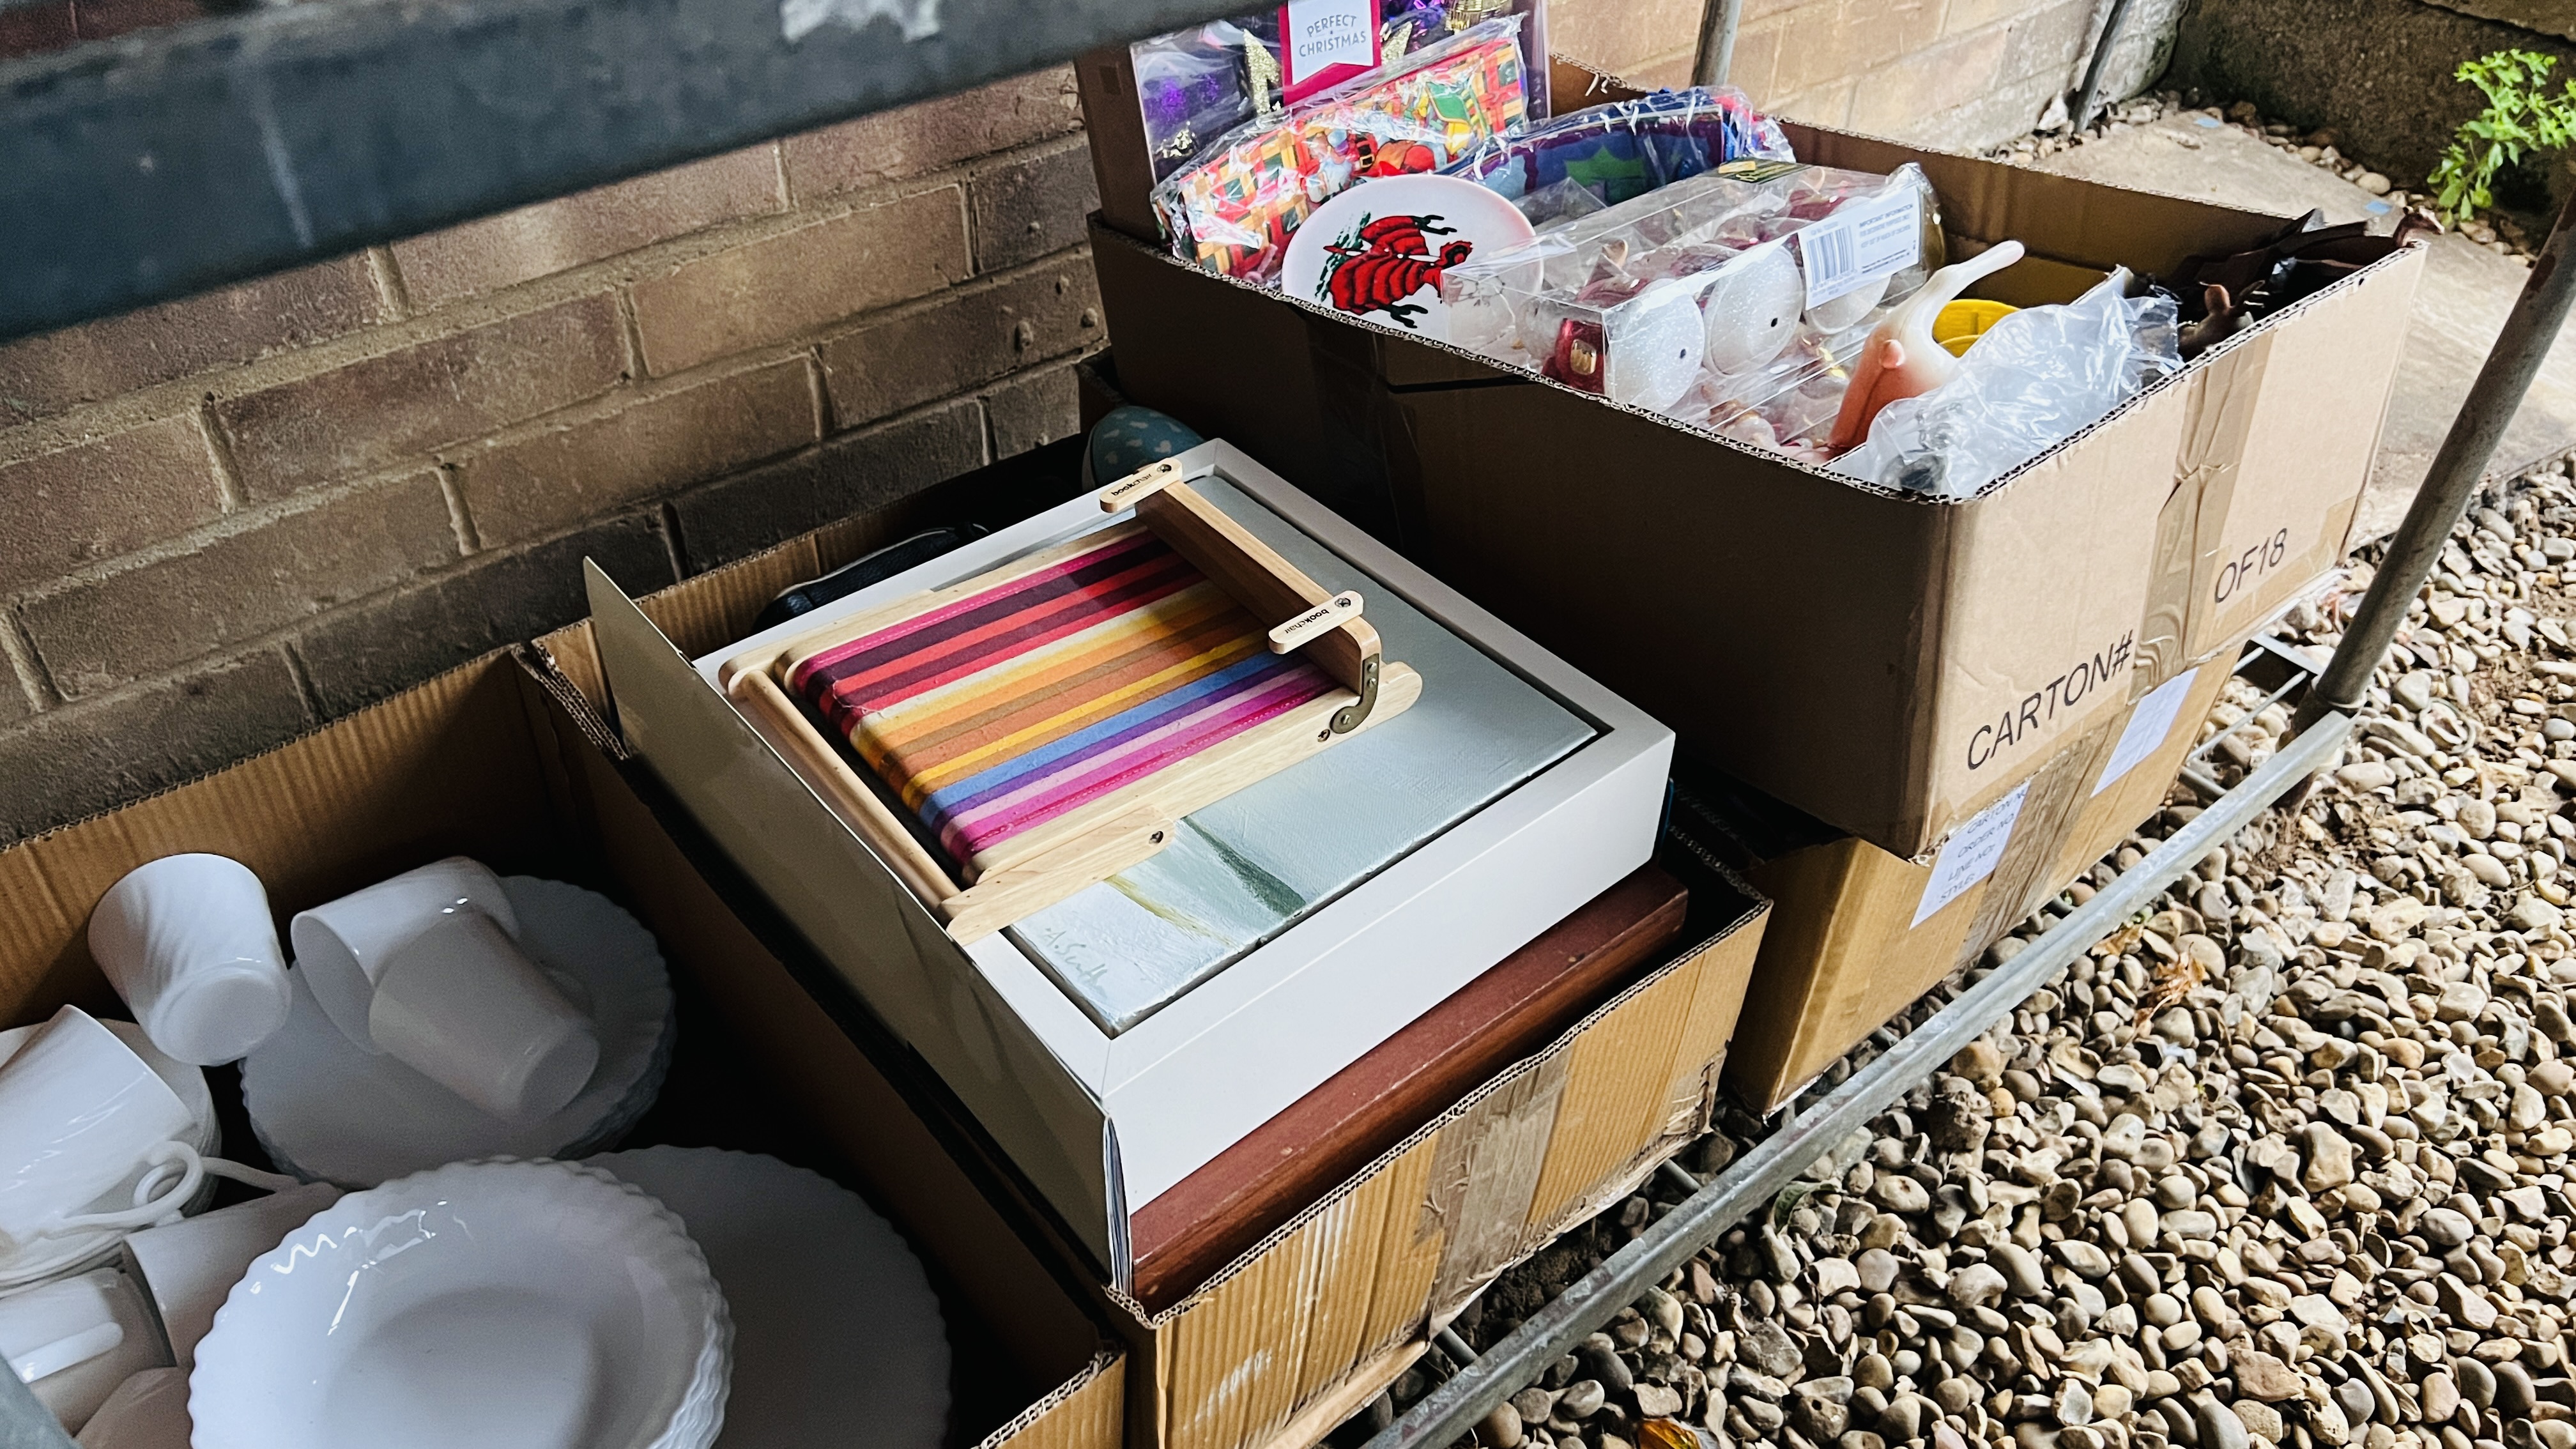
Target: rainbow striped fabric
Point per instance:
(1002, 710)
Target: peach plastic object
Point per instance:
(1964, 321)
(1901, 359)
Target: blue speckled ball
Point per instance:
(1131, 437)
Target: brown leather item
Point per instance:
(1219, 1211)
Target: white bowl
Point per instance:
(502, 1304)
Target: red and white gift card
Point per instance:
(1323, 43)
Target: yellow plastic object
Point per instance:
(1961, 323)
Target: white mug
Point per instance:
(147, 1411)
(188, 941)
(459, 1004)
(342, 948)
(189, 1267)
(74, 1340)
(79, 1111)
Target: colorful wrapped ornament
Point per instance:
(1234, 211)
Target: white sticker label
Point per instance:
(2149, 723)
(1860, 243)
(1316, 35)
(1330, 614)
(1971, 854)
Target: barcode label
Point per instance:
(1861, 243)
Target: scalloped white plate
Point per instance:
(502, 1304)
(325, 1109)
(816, 1282)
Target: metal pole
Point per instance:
(1451, 1409)
(2457, 470)
(2111, 23)
(1717, 24)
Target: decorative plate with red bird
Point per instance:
(1377, 251)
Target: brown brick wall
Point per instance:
(232, 517)
(1961, 74)
(236, 515)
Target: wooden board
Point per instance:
(1040, 866)
(1218, 1212)
(1271, 587)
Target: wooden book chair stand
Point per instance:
(1050, 722)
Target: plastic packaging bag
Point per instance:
(1711, 298)
(1626, 149)
(2033, 380)
(1233, 211)
(1195, 86)
(1192, 87)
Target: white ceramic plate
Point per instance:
(816, 1282)
(506, 1305)
(1376, 251)
(324, 1109)
(61, 1255)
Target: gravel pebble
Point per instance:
(2285, 1163)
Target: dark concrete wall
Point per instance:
(2379, 71)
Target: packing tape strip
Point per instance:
(2219, 418)
(1484, 1175)
(2019, 881)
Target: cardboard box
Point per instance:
(1101, 1120)
(1858, 934)
(1946, 647)
(486, 761)
(1300, 1332)
(1295, 1334)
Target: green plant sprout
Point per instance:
(2521, 116)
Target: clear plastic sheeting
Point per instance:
(2035, 379)
(1234, 208)
(1726, 300)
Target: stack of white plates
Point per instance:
(816, 1282)
(324, 1109)
(74, 1252)
(502, 1304)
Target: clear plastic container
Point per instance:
(1728, 300)
(1618, 152)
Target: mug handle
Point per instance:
(249, 1176)
(141, 1215)
(147, 1188)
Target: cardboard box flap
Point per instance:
(2071, 220)
(947, 1012)
(1087, 1411)
(2286, 416)
(268, 810)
